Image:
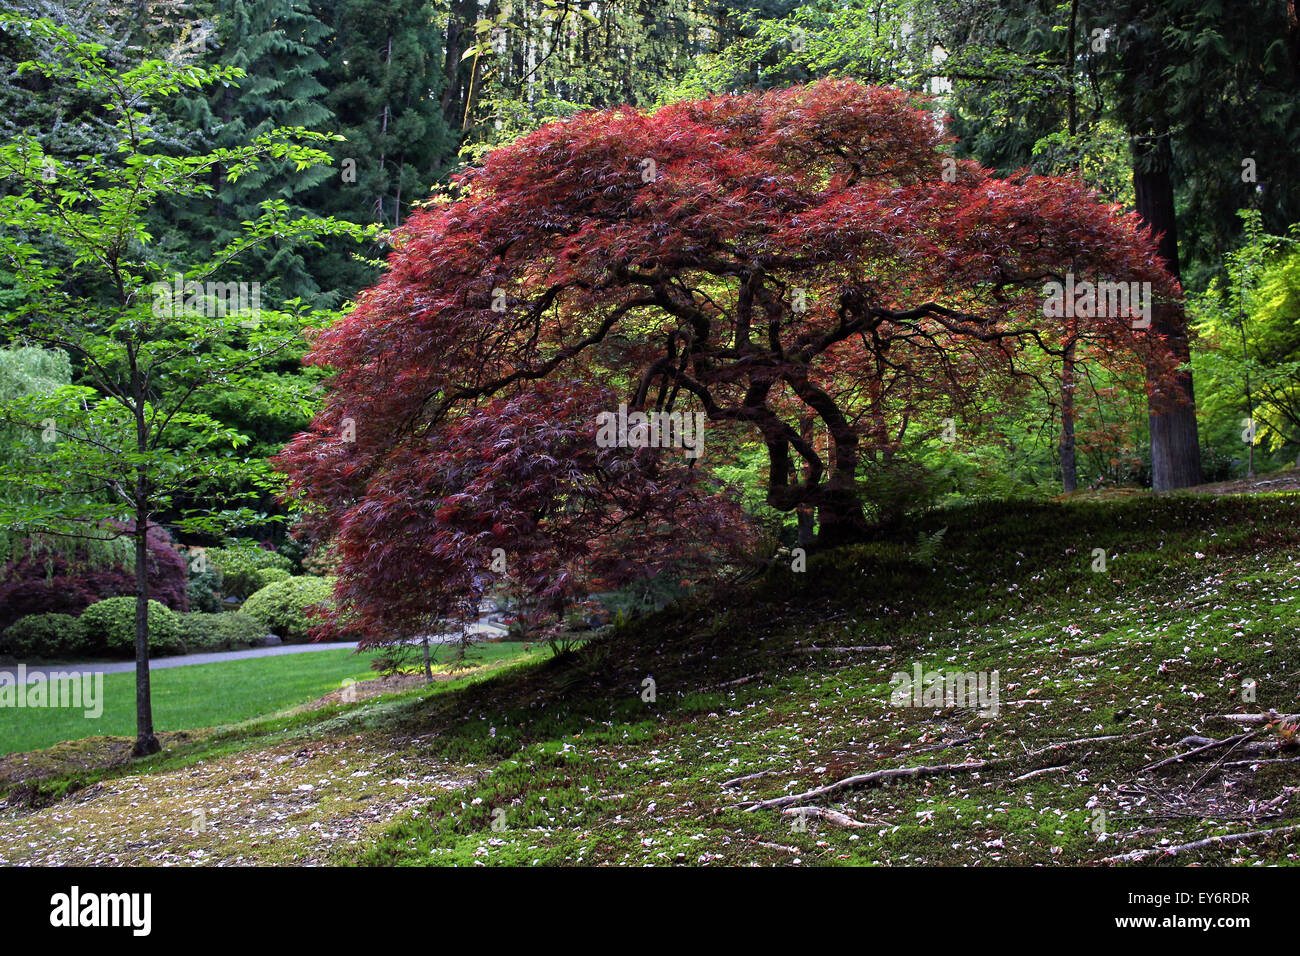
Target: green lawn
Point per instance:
(205, 695)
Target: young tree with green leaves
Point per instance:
(1250, 325)
(146, 335)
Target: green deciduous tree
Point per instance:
(125, 442)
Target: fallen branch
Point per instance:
(1071, 743)
(777, 846)
(1213, 744)
(749, 776)
(1041, 770)
(871, 779)
(831, 650)
(735, 683)
(950, 743)
(830, 816)
(1255, 719)
(1218, 763)
(1138, 855)
(1251, 763)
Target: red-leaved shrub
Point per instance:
(40, 583)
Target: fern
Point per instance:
(927, 546)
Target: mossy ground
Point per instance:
(563, 761)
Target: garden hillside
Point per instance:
(1141, 656)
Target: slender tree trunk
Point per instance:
(1069, 468)
(428, 665)
(145, 741)
(1250, 401)
(1171, 409)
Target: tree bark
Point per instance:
(145, 741)
(1175, 445)
(460, 35)
(1069, 468)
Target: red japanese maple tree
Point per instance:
(799, 265)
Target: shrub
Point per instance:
(281, 607)
(111, 624)
(238, 629)
(36, 580)
(898, 488)
(44, 636)
(267, 576)
(204, 587)
(239, 565)
(199, 632)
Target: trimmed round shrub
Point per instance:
(267, 576)
(111, 624)
(45, 636)
(35, 581)
(240, 565)
(200, 632)
(281, 608)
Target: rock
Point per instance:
(271, 640)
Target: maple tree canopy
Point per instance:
(803, 266)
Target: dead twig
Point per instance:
(1213, 744)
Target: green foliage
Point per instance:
(282, 608)
(385, 84)
(927, 546)
(98, 285)
(267, 576)
(864, 39)
(396, 659)
(199, 631)
(110, 624)
(898, 487)
(28, 371)
(1248, 366)
(204, 587)
(273, 47)
(241, 565)
(45, 636)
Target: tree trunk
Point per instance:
(1069, 469)
(428, 667)
(840, 517)
(460, 36)
(1175, 446)
(145, 741)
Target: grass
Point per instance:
(203, 695)
(564, 761)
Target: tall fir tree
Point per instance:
(385, 79)
(277, 44)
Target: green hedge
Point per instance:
(110, 624)
(267, 576)
(281, 607)
(45, 636)
(200, 632)
(240, 565)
